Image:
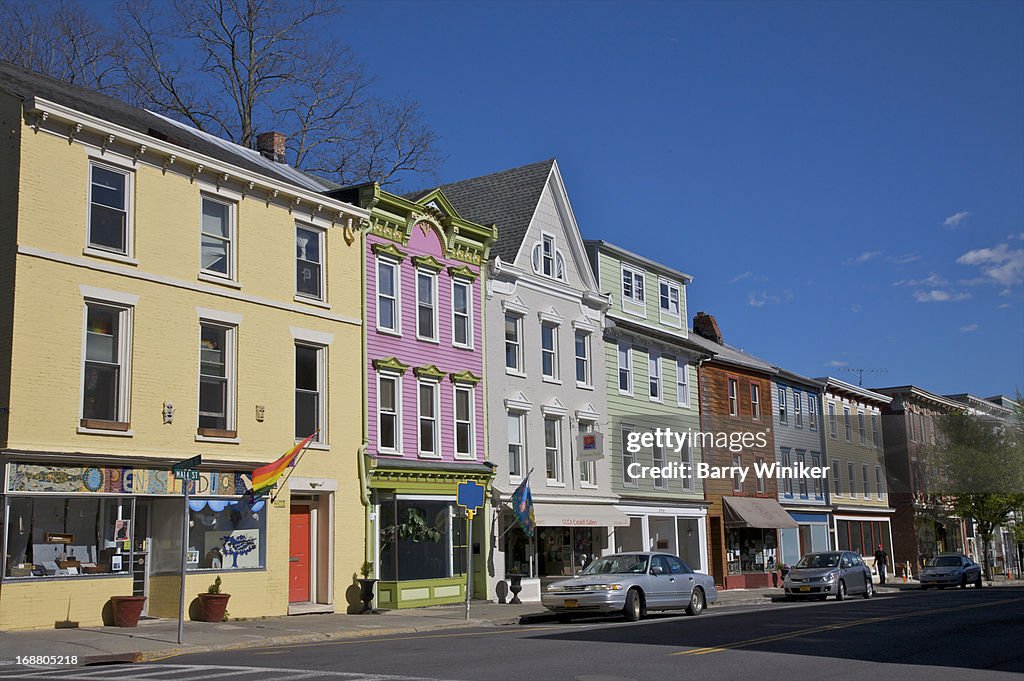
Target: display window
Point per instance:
(420, 539)
(751, 550)
(225, 534)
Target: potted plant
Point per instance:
(127, 610)
(214, 604)
(366, 585)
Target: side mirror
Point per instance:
(657, 570)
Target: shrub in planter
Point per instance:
(213, 603)
(366, 586)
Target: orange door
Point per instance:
(298, 558)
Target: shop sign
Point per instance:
(579, 522)
(33, 478)
(590, 446)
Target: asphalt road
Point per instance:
(935, 635)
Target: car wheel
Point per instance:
(841, 591)
(869, 589)
(696, 605)
(634, 609)
(977, 582)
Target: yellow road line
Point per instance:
(837, 626)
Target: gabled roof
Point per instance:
(28, 84)
(507, 199)
(727, 354)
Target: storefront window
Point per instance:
(226, 535)
(862, 536)
(417, 539)
(751, 549)
(520, 551)
(566, 550)
(68, 536)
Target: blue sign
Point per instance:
(470, 495)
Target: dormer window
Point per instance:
(633, 290)
(547, 259)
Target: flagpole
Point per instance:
(515, 525)
(294, 465)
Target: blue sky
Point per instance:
(845, 181)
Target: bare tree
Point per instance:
(60, 39)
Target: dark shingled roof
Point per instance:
(26, 83)
(507, 199)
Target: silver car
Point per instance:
(951, 569)
(632, 583)
(833, 573)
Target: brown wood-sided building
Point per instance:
(744, 515)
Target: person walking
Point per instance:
(881, 562)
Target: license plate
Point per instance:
(805, 588)
(571, 603)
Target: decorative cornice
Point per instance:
(514, 305)
(518, 401)
(427, 262)
(462, 271)
(390, 364)
(466, 376)
(389, 250)
(429, 371)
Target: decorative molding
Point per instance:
(466, 376)
(107, 295)
(588, 413)
(518, 401)
(585, 325)
(550, 315)
(232, 318)
(391, 364)
(427, 262)
(514, 305)
(311, 336)
(554, 408)
(389, 250)
(430, 371)
(462, 271)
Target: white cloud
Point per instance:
(939, 296)
(969, 328)
(856, 307)
(903, 259)
(837, 363)
(955, 219)
(741, 277)
(1002, 265)
(863, 257)
(1004, 306)
(932, 280)
(762, 298)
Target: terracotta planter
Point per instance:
(213, 606)
(127, 610)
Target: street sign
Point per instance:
(188, 474)
(470, 496)
(188, 463)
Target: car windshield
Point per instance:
(819, 560)
(617, 565)
(945, 561)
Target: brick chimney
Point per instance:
(705, 325)
(271, 145)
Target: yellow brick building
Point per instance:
(165, 294)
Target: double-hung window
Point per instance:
(734, 399)
(549, 350)
(465, 438)
(787, 482)
(761, 487)
(668, 302)
(625, 369)
(310, 405)
(106, 372)
(462, 307)
(687, 467)
(428, 407)
(588, 469)
(309, 264)
(867, 490)
(812, 412)
(658, 455)
(217, 380)
(848, 423)
(851, 471)
(632, 286)
(862, 428)
(548, 255)
(801, 460)
(755, 401)
(682, 383)
(553, 449)
(833, 425)
(875, 434)
(582, 358)
(389, 413)
(516, 446)
(783, 410)
(389, 287)
(628, 457)
(798, 409)
(654, 375)
(737, 484)
(109, 209)
(878, 482)
(426, 305)
(513, 343)
(816, 463)
(837, 479)
(217, 252)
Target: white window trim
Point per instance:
(631, 304)
(129, 221)
(879, 479)
(398, 412)
(520, 415)
(867, 481)
(520, 355)
(555, 361)
(686, 454)
(683, 370)
(862, 427)
(812, 412)
(459, 281)
(731, 396)
(558, 481)
(587, 465)
(321, 441)
(629, 367)
(456, 388)
(755, 388)
(125, 335)
(557, 259)
(627, 481)
(833, 421)
(665, 316)
(232, 273)
(787, 483)
(322, 235)
(390, 262)
(659, 483)
(837, 470)
(798, 409)
(654, 360)
(436, 454)
(847, 423)
(588, 373)
(437, 331)
(782, 408)
(230, 372)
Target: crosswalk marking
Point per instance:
(187, 672)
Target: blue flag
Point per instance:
(522, 507)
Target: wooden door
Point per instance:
(298, 555)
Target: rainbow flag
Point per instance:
(265, 477)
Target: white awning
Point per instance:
(579, 515)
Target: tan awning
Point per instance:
(750, 512)
(579, 515)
